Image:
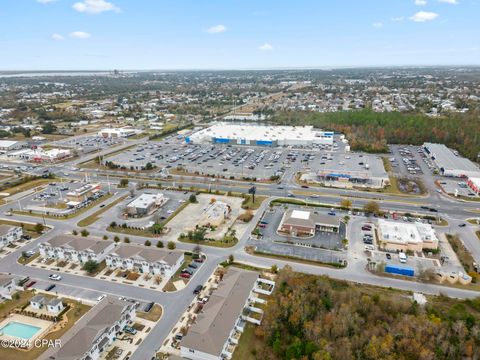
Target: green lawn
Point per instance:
(26, 186)
(215, 243)
(250, 204)
(24, 261)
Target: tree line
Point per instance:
(371, 131)
(312, 317)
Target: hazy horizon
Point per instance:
(63, 35)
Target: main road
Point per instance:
(175, 303)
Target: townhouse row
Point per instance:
(117, 256)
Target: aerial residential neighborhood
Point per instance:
(226, 180)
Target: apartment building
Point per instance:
(145, 260)
(75, 249)
(94, 332)
(219, 325)
(9, 234)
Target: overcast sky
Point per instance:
(236, 34)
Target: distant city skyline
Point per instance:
(231, 34)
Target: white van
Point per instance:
(402, 257)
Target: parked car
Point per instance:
(185, 275)
(388, 256)
(29, 253)
(178, 337)
(462, 225)
(188, 271)
(50, 287)
(30, 284)
(101, 297)
(197, 289)
(199, 260)
(55, 277)
(192, 265)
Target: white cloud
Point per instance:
(420, 2)
(45, 1)
(424, 16)
(57, 37)
(453, 2)
(217, 29)
(265, 47)
(377, 25)
(398, 18)
(80, 35)
(95, 6)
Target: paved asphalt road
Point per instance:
(175, 303)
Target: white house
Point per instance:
(94, 332)
(9, 234)
(38, 302)
(145, 260)
(55, 306)
(75, 249)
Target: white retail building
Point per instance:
(261, 135)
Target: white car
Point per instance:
(55, 277)
(369, 247)
(101, 297)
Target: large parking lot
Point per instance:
(86, 143)
(457, 187)
(52, 198)
(117, 213)
(366, 169)
(227, 160)
(323, 247)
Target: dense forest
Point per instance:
(311, 317)
(371, 131)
